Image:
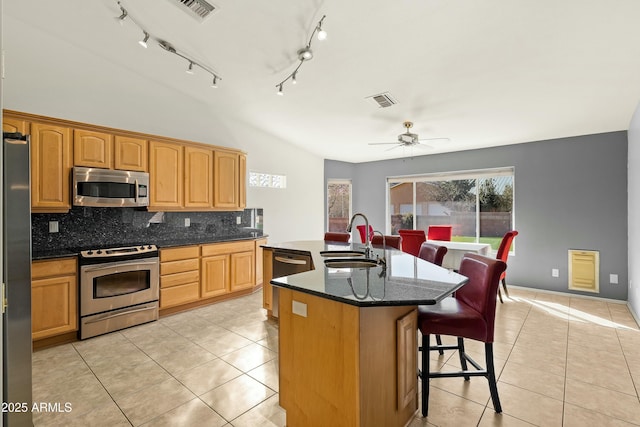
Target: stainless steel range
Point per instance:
(119, 287)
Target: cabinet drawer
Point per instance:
(177, 295)
(227, 248)
(179, 279)
(174, 254)
(179, 266)
(51, 268)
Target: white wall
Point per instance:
(633, 183)
(40, 80)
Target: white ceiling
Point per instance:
(481, 73)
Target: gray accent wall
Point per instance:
(569, 193)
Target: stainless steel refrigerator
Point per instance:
(16, 231)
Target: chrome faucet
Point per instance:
(382, 260)
(367, 245)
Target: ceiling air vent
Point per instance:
(383, 100)
(198, 9)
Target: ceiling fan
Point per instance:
(409, 139)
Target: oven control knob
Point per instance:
(90, 252)
(142, 248)
(98, 251)
(149, 247)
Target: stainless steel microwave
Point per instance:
(110, 188)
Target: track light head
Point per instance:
(321, 34)
(144, 41)
(293, 78)
(305, 54)
(280, 92)
(122, 16)
(190, 69)
(214, 84)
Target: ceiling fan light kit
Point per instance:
(192, 63)
(304, 54)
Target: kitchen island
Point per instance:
(347, 336)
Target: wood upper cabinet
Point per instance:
(226, 178)
(242, 184)
(92, 149)
(198, 177)
(51, 161)
(166, 163)
(131, 154)
(54, 297)
(12, 125)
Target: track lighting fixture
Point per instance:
(166, 46)
(143, 42)
(304, 54)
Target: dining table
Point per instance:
(456, 250)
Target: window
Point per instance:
(257, 179)
(478, 204)
(338, 205)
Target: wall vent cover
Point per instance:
(383, 100)
(198, 9)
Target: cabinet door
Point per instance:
(54, 303)
(215, 276)
(92, 149)
(259, 260)
(14, 125)
(242, 184)
(130, 154)
(242, 270)
(267, 275)
(198, 177)
(226, 180)
(50, 168)
(165, 175)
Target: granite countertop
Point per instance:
(406, 280)
(167, 242)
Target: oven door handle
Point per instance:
(123, 313)
(111, 264)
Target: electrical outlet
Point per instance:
(187, 222)
(238, 220)
(53, 227)
(555, 272)
(613, 279)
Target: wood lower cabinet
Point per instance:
(51, 162)
(227, 267)
(131, 154)
(92, 149)
(267, 275)
(260, 260)
(179, 276)
(54, 297)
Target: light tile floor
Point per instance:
(562, 361)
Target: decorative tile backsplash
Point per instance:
(85, 227)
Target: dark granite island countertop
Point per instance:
(405, 281)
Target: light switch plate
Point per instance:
(238, 220)
(299, 308)
(187, 222)
(555, 272)
(613, 279)
(53, 227)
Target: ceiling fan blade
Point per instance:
(424, 146)
(384, 143)
(434, 139)
(393, 148)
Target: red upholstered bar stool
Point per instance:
(388, 241)
(439, 232)
(411, 240)
(432, 253)
(330, 236)
(469, 314)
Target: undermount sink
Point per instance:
(341, 253)
(351, 263)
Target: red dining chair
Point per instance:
(469, 314)
(388, 241)
(411, 240)
(439, 232)
(432, 253)
(331, 236)
(363, 236)
(502, 255)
